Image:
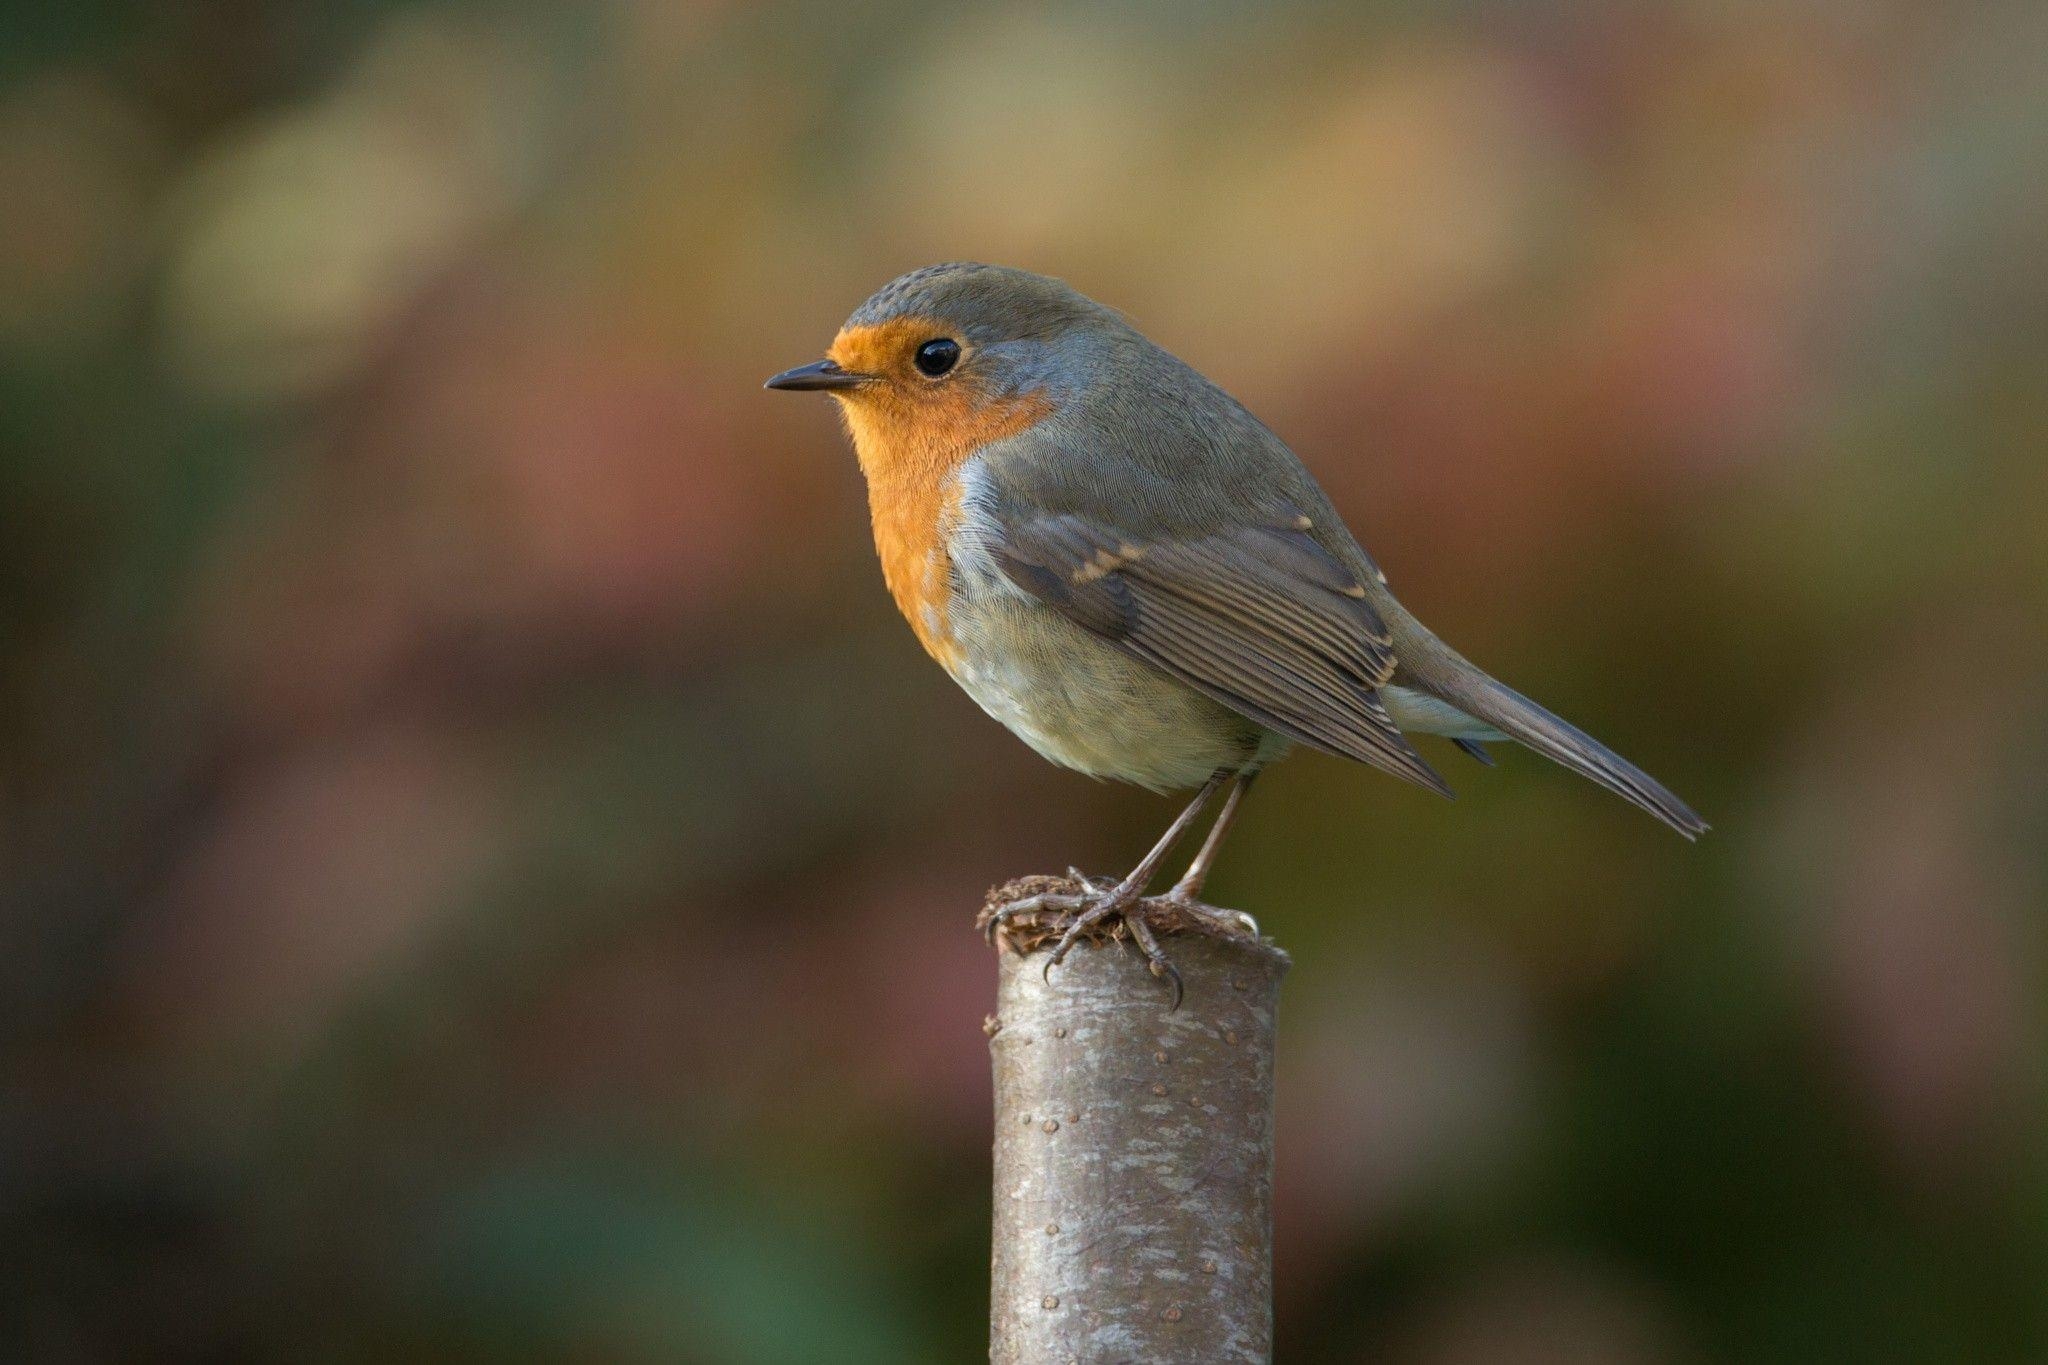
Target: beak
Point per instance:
(822, 374)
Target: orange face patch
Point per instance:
(911, 434)
(885, 348)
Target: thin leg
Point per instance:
(1148, 867)
(1189, 887)
(1116, 899)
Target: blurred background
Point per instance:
(485, 874)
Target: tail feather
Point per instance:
(1441, 673)
(1475, 749)
(1432, 667)
(1562, 742)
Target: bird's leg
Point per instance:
(1187, 892)
(1127, 892)
(1189, 887)
(1099, 901)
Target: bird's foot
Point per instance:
(1148, 944)
(1102, 907)
(1225, 922)
(1075, 912)
(1029, 898)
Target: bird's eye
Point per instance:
(937, 356)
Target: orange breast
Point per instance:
(912, 437)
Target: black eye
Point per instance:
(937, 356)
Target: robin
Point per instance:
(1125, 567)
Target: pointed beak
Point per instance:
(823, 374)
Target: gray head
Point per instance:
(990, 303)
(1002, 330)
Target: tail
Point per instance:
(1436, 669)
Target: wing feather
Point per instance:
(1261, 618)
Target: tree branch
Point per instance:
(1133, 1150)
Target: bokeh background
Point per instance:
(487, 876)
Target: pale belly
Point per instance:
(1083, 704)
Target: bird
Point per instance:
(1120, 563)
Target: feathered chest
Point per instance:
(1070, 695)
(915, 457)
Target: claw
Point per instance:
(1003, 915)
(1229, 920)
(1030, 905)
(1155, 958)
(1172, 973)
(1115, 902)
(1060, 949)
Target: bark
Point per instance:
(1133, 1154)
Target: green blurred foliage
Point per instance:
(484, 874)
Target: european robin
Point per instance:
(1126, 568)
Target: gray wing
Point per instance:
(1260, 618)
